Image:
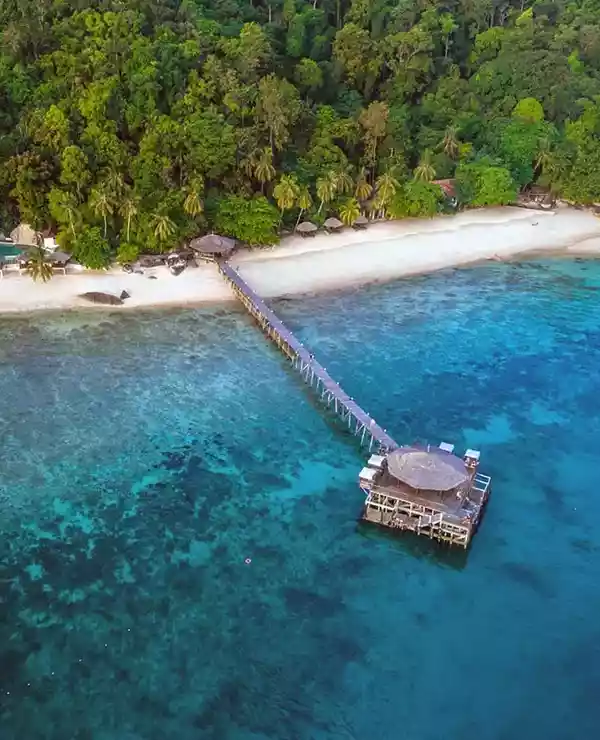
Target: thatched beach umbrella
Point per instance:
(59, 258)
(361, 222)
(106, 299)
(333, 224)
(307, 228)
(427, 470)
(213, 245)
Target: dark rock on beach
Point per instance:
(106, 299)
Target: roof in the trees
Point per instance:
(447, 186)
(213, 244)
(361, 221)
(333, 223)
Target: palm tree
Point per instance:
(192, 204)
(286, 191)
(115, 184)
(38, 266)
(425, 170)
(349, 211)
(450, 142)
(263, 169)
(343, 182)
(386, 186)
(102, 205)
(544, 155)
(129, 210)
(326, 188)
(69, 205)
(304, 202)
(164, 227)
(363, 188)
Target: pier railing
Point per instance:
(312, 372)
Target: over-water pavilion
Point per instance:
(427, 490)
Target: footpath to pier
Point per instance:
(312, 372)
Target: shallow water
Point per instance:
(146, 456)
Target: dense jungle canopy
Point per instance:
(130, 125)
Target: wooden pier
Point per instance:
(313, 373)
(428, 491)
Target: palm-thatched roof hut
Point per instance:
(333, 224)
(361, 222)
(307, 228)
(427, 470)
(24, 235)
(213, 246)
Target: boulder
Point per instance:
(105, 299)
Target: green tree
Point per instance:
(415, 199)
(385, 189)
(447, 27)
(163, 225)
(304, 202)
(102, 205)
(425, 170)
(192, 204)
(127, 253)
(363, 188)
(253, 221)
(529, 110)
(374, 123)
(343, 182)
(38, 267)
(349, 211)
(485, 184)
(263, 168)
(308, 76)
(91, 249)
(326, 189)
(286, 192)
(129, 209)
(75, 173)
(277, 109)
(63, 208)
(450, 143)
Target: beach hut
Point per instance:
(213, 247)
(361, 222)
(24, 235)
(448, 188)
(333, 224)
(59, 260)
(307, 228)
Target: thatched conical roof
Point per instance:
(430, 470)
(333, 224)
(58, 256)
(307, 227)
(213, 244)
(361, 221)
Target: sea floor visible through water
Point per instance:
(147, 457)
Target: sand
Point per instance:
(384, 251)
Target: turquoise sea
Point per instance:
(146, 456)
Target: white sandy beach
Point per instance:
(385, 251)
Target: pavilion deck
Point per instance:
(449, 517)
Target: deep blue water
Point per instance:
(145, 457)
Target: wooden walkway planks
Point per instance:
(311, 371)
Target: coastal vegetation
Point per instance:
(128, 126)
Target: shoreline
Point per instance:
(384, 252)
